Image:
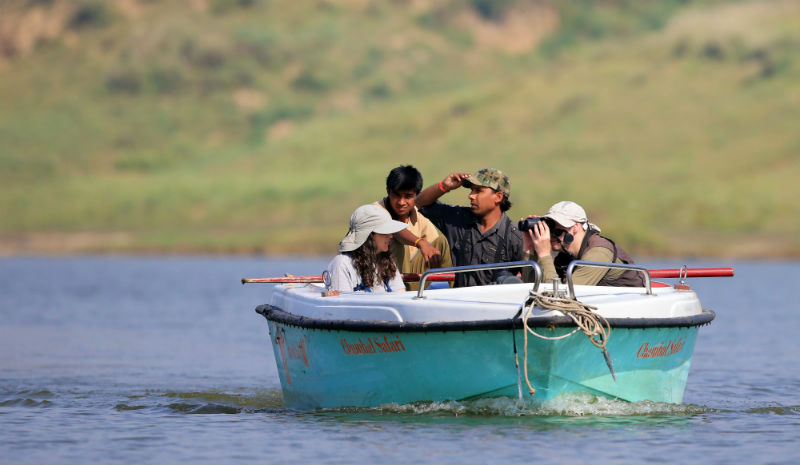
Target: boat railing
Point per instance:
(482, 267)
(576, 263)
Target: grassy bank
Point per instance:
(251, 127)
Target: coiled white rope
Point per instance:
(593, 325)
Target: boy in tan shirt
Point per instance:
(420, 246)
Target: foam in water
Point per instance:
(575, 404)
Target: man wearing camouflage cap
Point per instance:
(480, 233)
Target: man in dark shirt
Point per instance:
(480, 233)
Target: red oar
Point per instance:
(691, 273)
(414, 277)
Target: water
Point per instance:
(163, 360)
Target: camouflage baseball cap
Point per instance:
(489, 177)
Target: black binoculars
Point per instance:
(528, 223)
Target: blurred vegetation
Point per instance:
(256, 126)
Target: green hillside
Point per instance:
(255, 126)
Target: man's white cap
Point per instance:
(568, 213)
(365, 220)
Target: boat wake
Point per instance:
(568, 405)
(565, 405)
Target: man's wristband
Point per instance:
(441, 188)
(417, 242)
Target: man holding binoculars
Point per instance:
(566, 229)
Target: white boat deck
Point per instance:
(477, 303)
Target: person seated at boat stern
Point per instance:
(364, 262)
(565, 229)
(421, 245)
(480, 233)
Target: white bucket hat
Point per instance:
(365, 220)
(568, 213)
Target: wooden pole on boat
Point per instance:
(407, 277)
(285, 279)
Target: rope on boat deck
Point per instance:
(593, 325)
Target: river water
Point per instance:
(163, 360)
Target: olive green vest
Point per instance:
(629, 278)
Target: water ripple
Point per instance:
(775, 409)
(25, 402)
(205, 402)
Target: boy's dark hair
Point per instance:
(404, 178)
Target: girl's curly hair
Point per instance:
(367, 260)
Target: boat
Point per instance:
(337, 350)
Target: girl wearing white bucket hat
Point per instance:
(364, 262)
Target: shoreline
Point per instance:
(54, 245)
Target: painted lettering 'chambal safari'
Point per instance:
(673, 346)
(372, 346)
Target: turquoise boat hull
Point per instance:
(325, 364)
